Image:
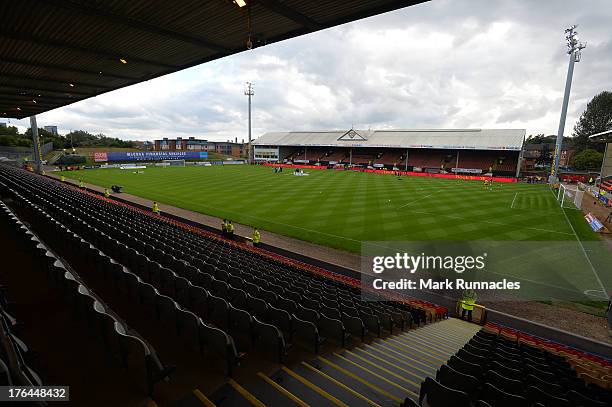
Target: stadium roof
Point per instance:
(604, 136)
(57, 52)
(473, 139)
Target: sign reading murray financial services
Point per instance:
(150, 156)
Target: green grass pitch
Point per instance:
(343, 208)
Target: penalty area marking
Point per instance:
(489, 222)
(416, 200)
(596, 293)
(586, 256)
(514, 199)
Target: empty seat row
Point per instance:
(489, 369)
(135, 352)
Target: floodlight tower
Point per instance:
(574, 48)
(250, 92)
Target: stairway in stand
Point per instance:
(382, 373)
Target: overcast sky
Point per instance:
(441, 64)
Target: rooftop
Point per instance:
(57, 52)
(476, 139)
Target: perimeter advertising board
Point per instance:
(150, 156)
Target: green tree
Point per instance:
(81, 138)
(596, 118)
(587, 160)
(542, 139)
(9, 131)
(46, 136)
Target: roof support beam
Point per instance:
(53, 81)
(42, 101)
(291, 14)
(12, 111)
(81, 48)
(83, 8)
(42, 89)
(39, 99)
(36, 64)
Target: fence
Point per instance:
(22, 152)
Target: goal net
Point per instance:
(570, 197)
(173, 163)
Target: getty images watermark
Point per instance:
(497, 270)
(424, 264)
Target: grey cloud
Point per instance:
(444, 63)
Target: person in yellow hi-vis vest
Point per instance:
(81, 184)
(230, 229)
(467, 303)
(155, 208)
(106, 193)
(62, 178)
(256, 237)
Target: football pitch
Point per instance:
(342, 209)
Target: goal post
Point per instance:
(570, 198)
(173, 163)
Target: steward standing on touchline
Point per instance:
(230, 229)
(467, 303)
(155, 208)
(256, 237)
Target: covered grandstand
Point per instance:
(460, 151)
(131, 308)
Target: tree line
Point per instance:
(587, 154)
(10, 136)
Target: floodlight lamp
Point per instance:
(240, 3)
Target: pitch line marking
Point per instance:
(596, 293)
(493, 223)
(603, 288)
(416, 200)
(514, 199)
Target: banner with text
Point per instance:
(150, 156)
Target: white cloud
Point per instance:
(459, 63)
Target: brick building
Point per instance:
(180, 144)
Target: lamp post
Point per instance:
(574, 48)
(250, 92)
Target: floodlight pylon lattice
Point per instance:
(574, 50)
